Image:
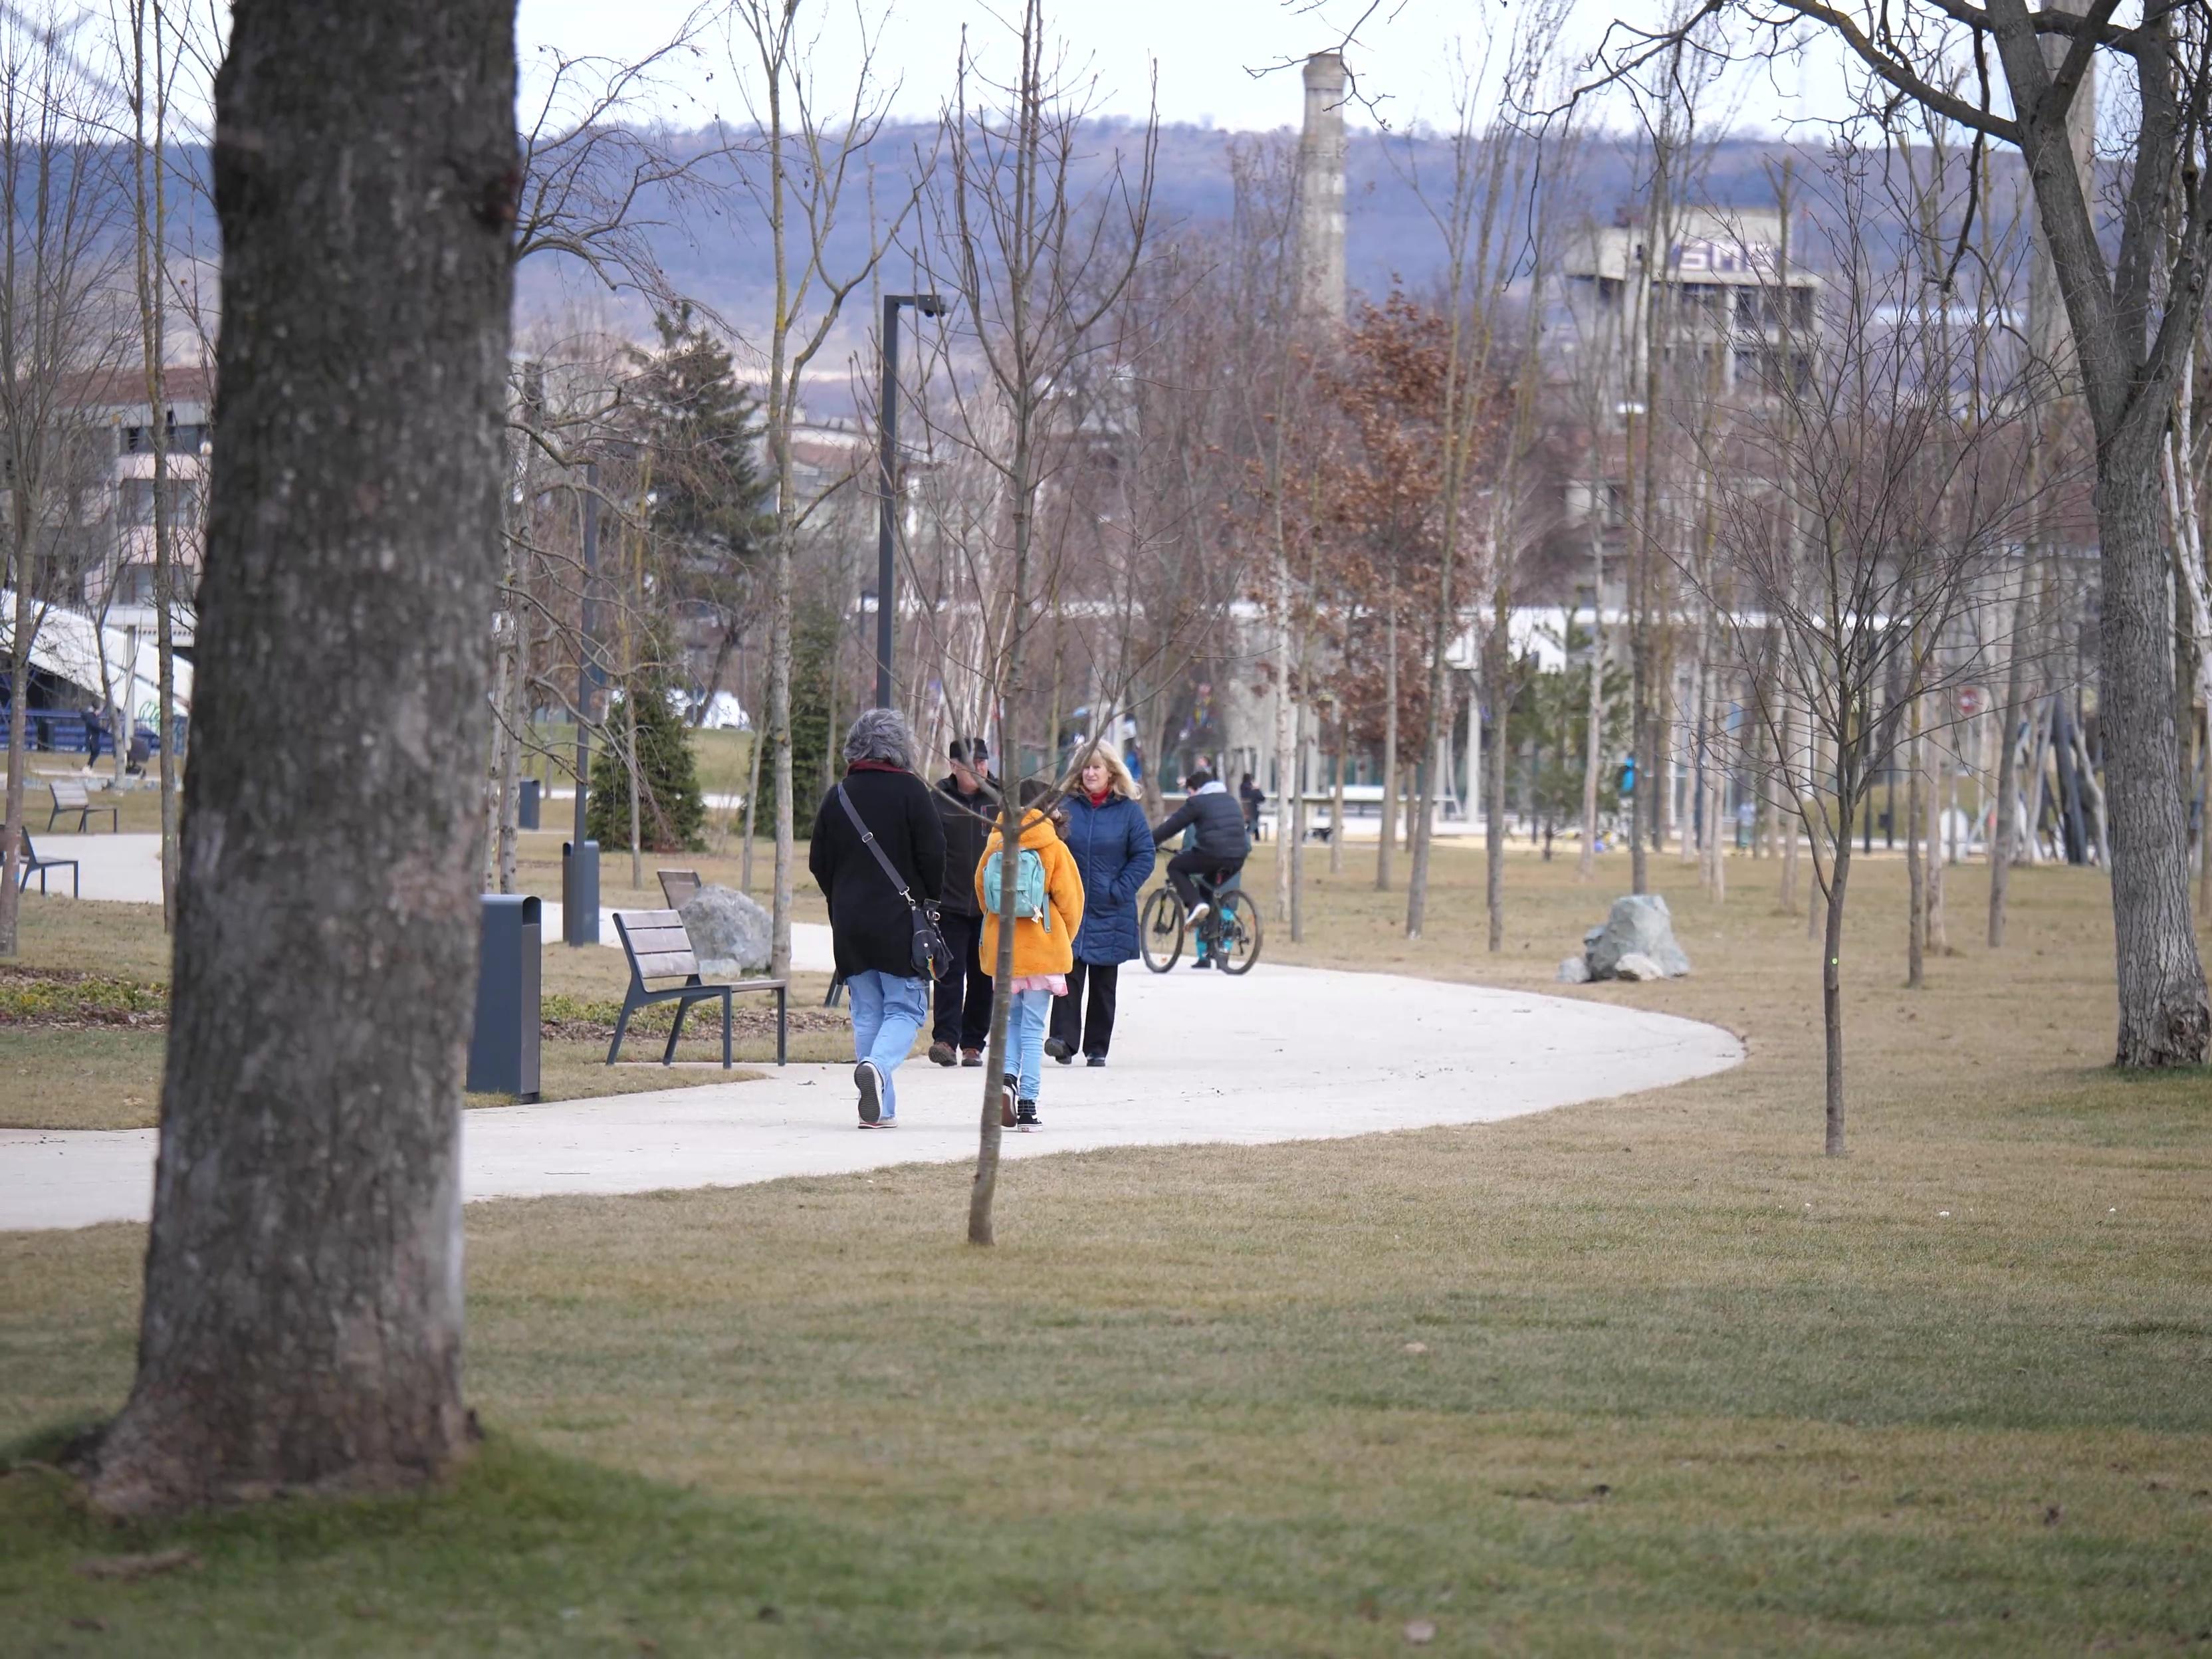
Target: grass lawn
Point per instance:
(724, 758)
(138, 804)
(1643, 1376)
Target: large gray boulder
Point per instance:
(729, 933)
(1638, 925)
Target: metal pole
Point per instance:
(886, 526)
(586, 671)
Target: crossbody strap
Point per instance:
(868, 840)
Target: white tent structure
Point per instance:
(69, 645)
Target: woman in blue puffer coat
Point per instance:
(1113, 848)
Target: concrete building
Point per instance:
(1730, 298)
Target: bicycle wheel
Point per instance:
(1159, 931)
(1236, 944)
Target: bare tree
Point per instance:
(1040, 255)
(811, 150)
(596, 173)
(301, 1325)
(156, 51)
(2133, 300)
(1490, 173)
(59, 343)
(1862, 511)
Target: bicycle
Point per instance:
(1229, 932)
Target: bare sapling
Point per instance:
(1901, 504)
(1040, 244)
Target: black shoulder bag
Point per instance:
(930, 953)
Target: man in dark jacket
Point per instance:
(1222, 847)
(871, 926)
(967, 805)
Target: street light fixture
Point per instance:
(929, 305)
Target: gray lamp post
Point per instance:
(929, 305)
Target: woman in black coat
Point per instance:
(870, 924)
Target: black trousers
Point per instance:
(1183, 866)
(1094, 1026)
(963, 989)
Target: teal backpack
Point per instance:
(1029, 886)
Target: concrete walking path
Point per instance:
(127, 870)
(1281, 1054)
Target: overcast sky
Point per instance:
(1210, 55)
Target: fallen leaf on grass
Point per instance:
(137, 1567)
(1416, 1347)
(1420, 1631)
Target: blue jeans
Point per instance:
(888, 1009)
(1025, 1040)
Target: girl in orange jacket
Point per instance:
(1044, 947)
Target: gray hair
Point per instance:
(880, 734)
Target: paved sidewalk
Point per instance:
(1283, 1053)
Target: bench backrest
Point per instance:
(69, 795)
(656, 944)
(679, 885)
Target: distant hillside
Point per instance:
(722, 259)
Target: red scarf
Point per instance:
(1100, 799)
(873, 766)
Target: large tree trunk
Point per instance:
(301, 1326)
(2164, 1017)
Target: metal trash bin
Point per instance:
(503, 1049)
(525, 810)
(579, 893)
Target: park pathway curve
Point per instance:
(1281, 1054)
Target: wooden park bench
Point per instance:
(73, 797)
(659, 948)
(677, 887)
(32, 861)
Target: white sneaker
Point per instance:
(1198, 914)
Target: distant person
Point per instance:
(92, 733)
(871, 926)
(1047, 911)
(967, 803)
(1254, 798)
(1220, 845)
(1107, 836)
(141, 752)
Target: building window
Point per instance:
(136, 505)
(185, 440)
